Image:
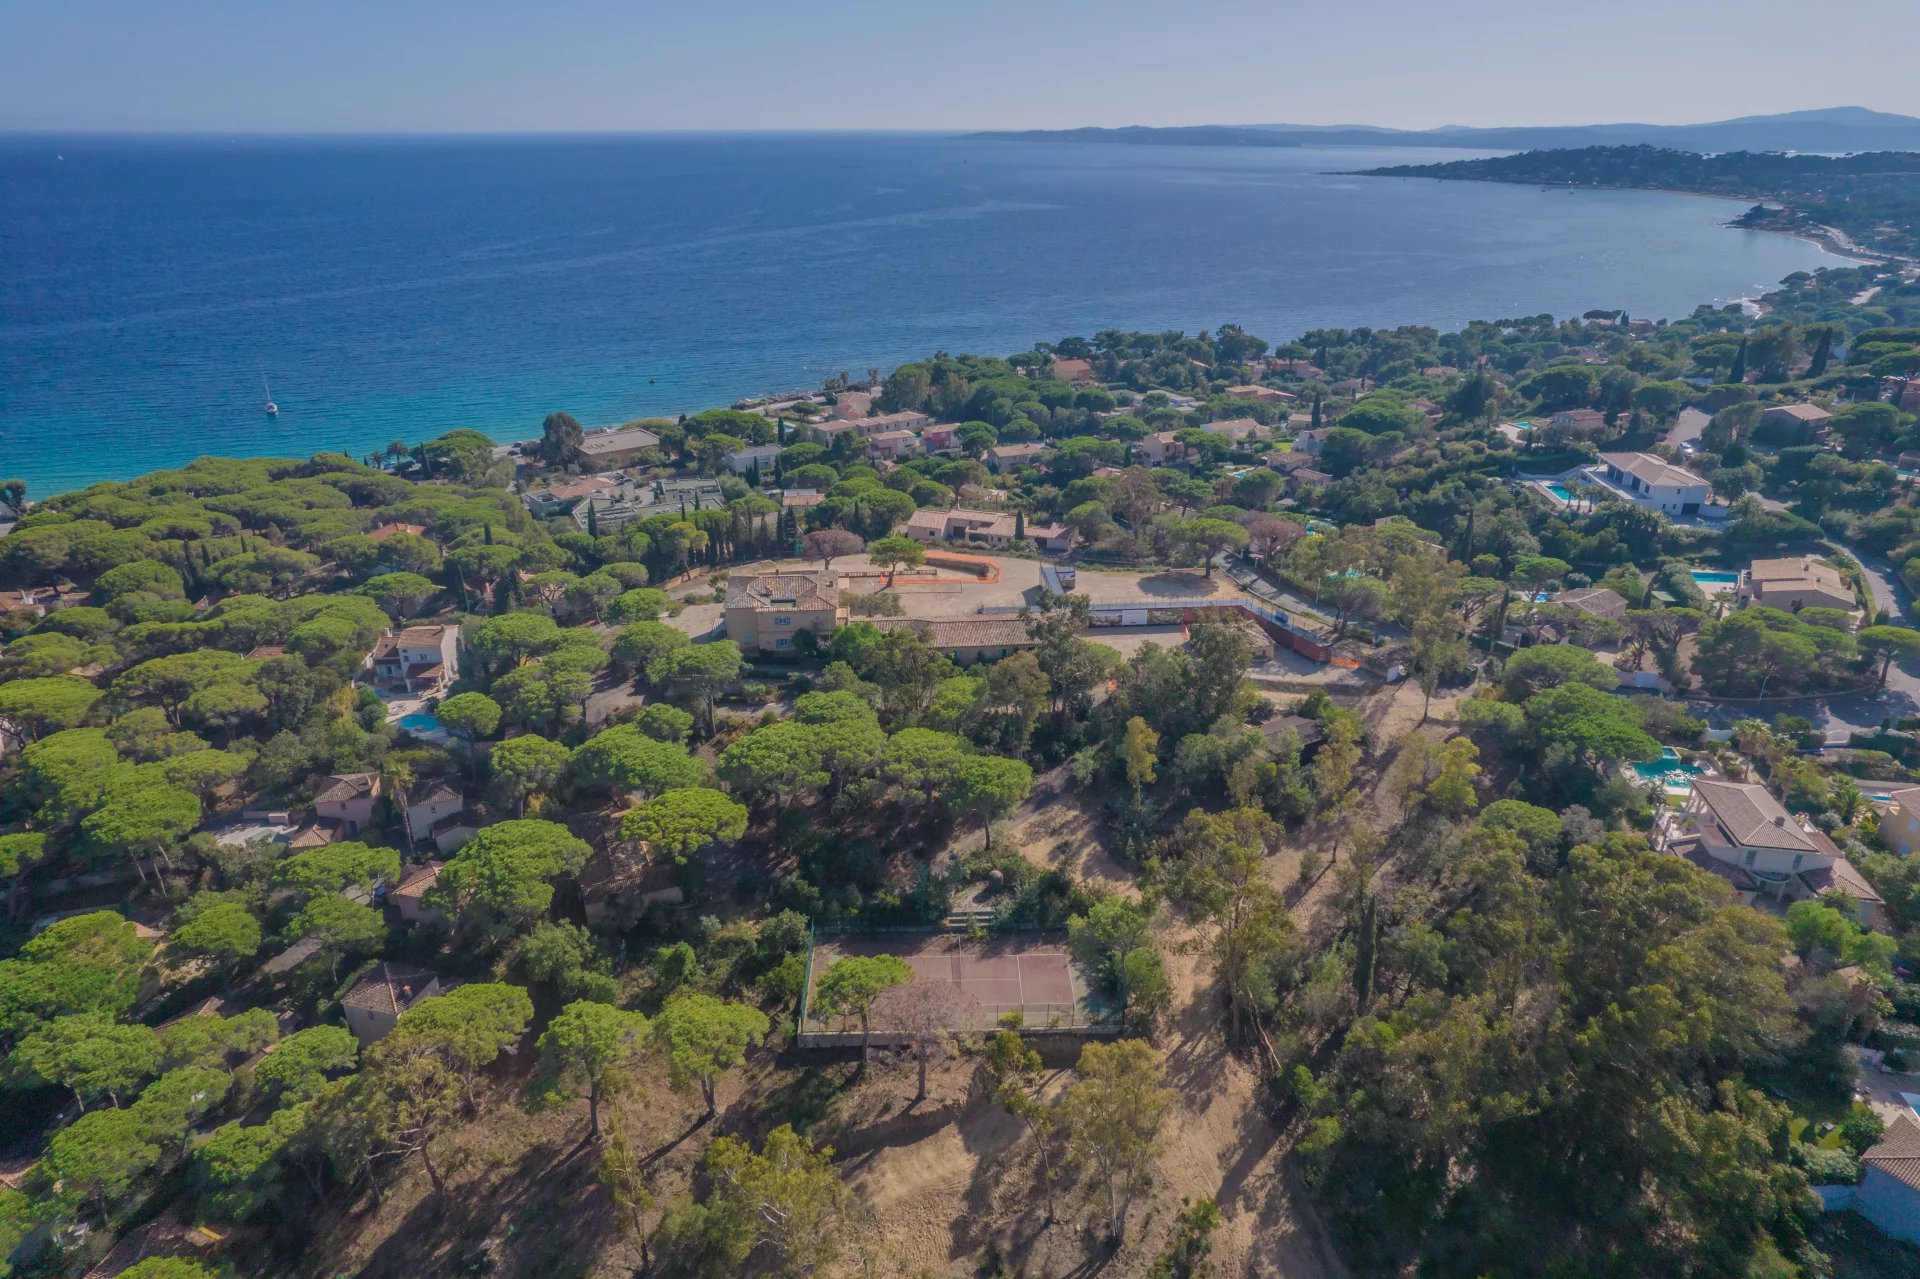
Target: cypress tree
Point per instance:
(593, 521)
(1019, 525)
(1739, 373)
(1363, 961)
(1316, 410)
(1822, 352)
(753, 474)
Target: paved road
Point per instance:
(1687, 427)
(1889, 592)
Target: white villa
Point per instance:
(1651, 482)
(421, 660)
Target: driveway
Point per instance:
(1687, 427)
(611, 695)
(1889, 592)
(1836, 716)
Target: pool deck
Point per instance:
(1717, 582)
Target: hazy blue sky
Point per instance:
(489, 65)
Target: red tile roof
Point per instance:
(390, 987)
(1898, 1154)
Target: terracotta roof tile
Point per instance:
(964, 632)
(1650, 469)
(1898, 1154)
(1755, 819)
(343, 787)
(791, 590)
(390, 987)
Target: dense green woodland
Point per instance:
(1500, 1034)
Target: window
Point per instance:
(1752, 855)
(783, 621)
(783, 642)
(1796, 861)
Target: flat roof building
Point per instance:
(617, 446)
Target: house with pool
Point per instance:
(1900, 820)
(420, 661)
(1768, 856)
(1795, 583)
(1655, 483)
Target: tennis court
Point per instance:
(1032, 975)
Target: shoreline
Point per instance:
(1828, 239)
(517, 432)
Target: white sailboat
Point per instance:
(273, 410)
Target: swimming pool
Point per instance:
(1667, 770)
(1670, 772)
(419, 723)
(1560, 491)
(1713, 581)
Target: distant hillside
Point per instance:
(1200, 135)
(1873, 199)
(1829, 129)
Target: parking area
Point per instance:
(955, 594)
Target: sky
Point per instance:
(367, 66)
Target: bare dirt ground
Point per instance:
(1392, 718)
(956, 1180)
(977, 1177)
(523, 1196)
(950, 1182)
(1063, 832)
(1223, 1146)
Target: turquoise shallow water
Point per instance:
(400, 288)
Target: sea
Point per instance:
(155, 291)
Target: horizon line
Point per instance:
(16, 132)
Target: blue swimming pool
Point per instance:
(1560, 491)
(419, 722)
(1714, 577)
(1668, 770)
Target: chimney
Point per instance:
(1781, 820)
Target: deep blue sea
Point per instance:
(400, 288)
